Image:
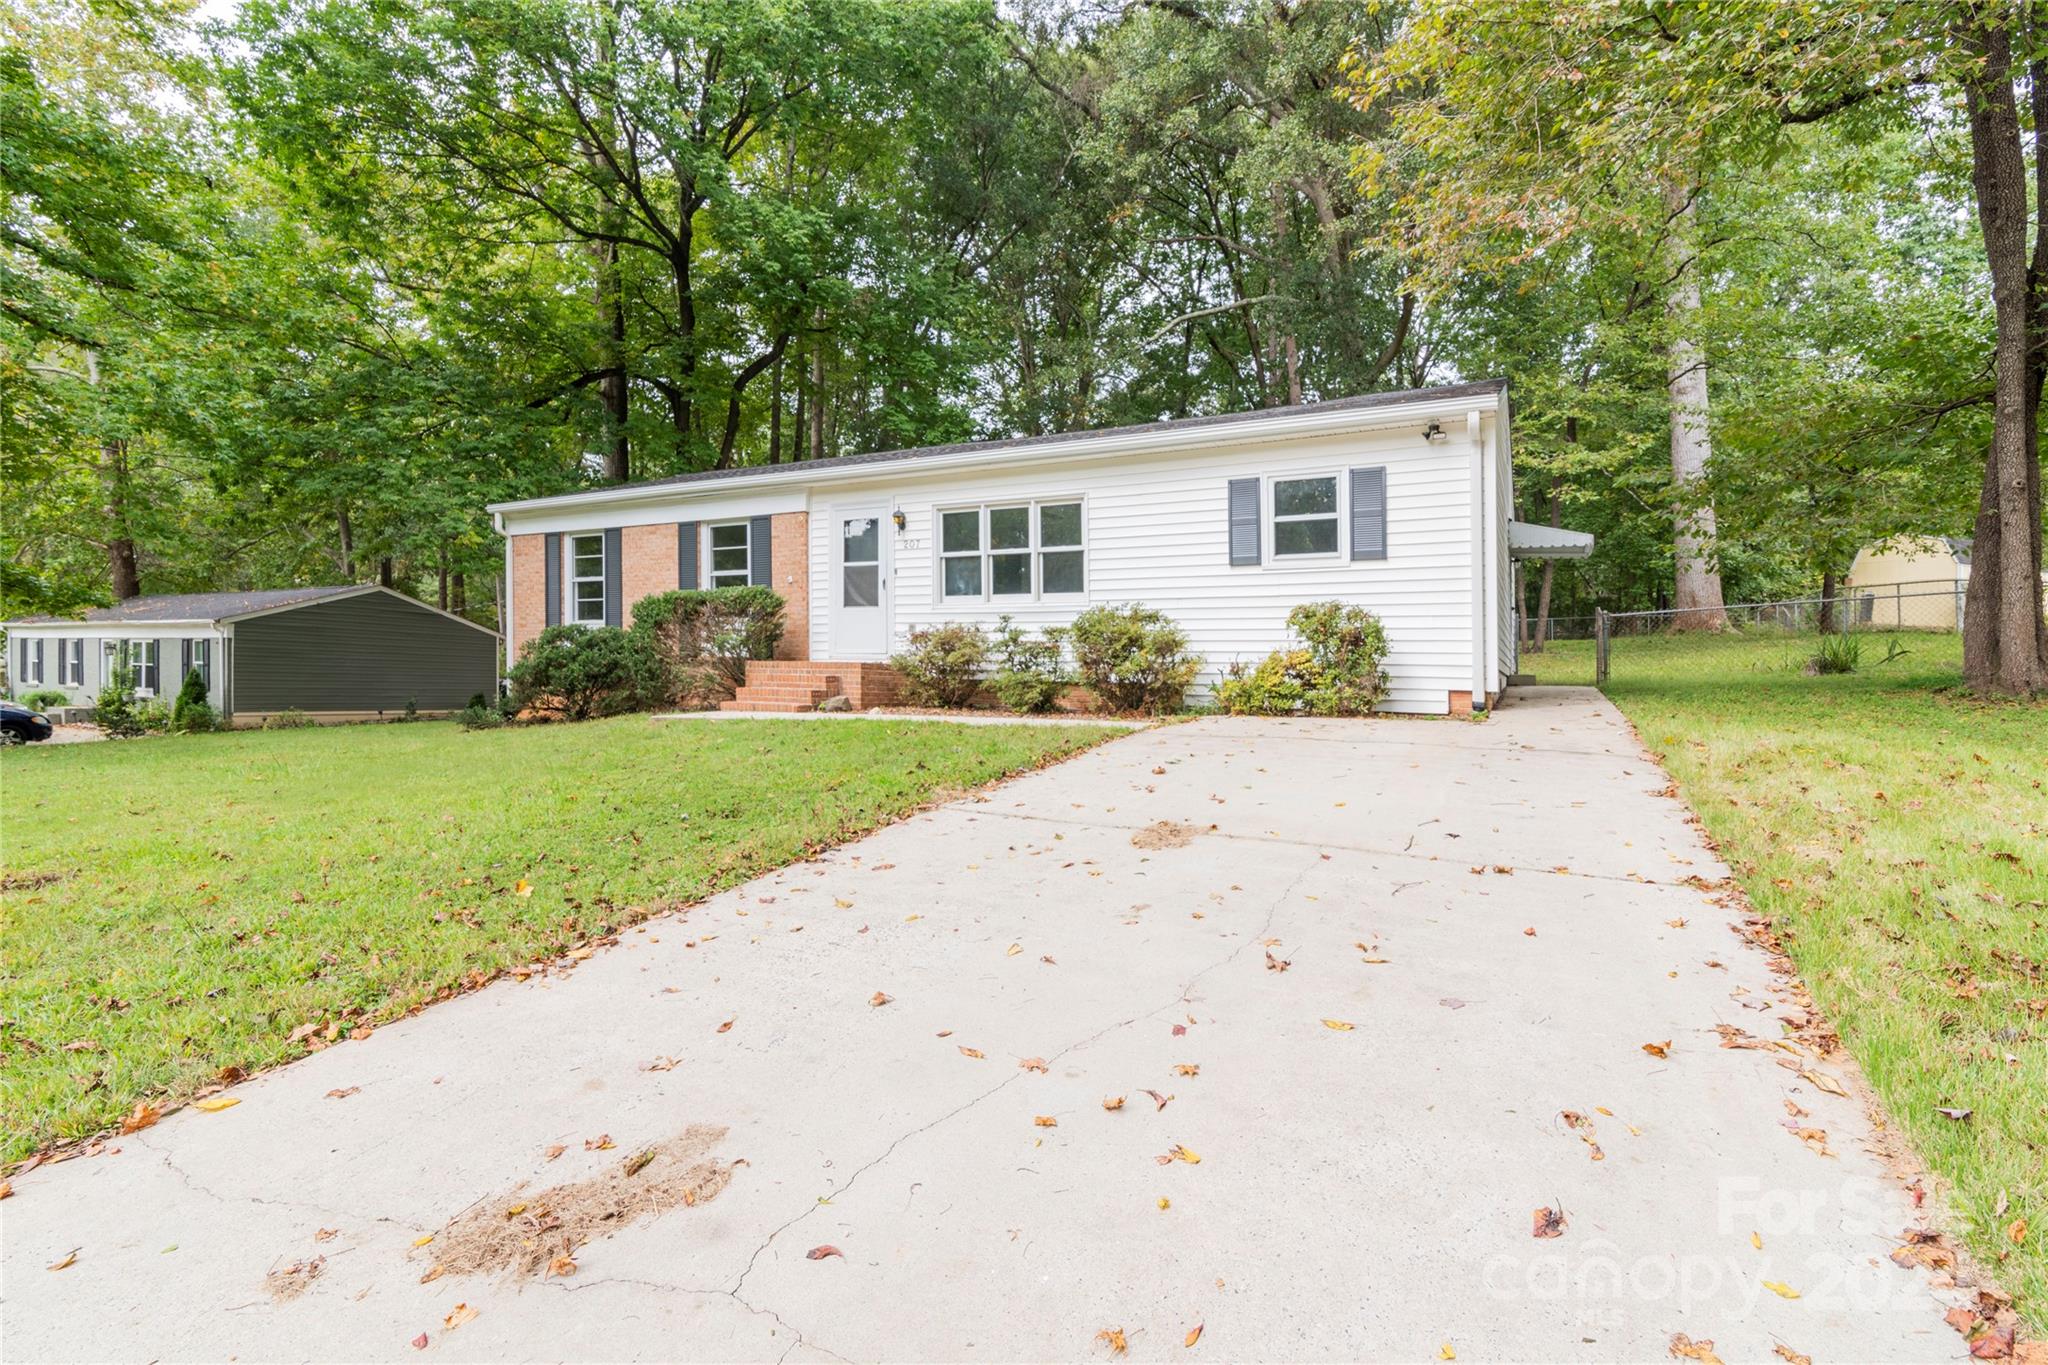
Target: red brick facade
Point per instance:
(647, 565)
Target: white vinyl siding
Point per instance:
(1158, 533)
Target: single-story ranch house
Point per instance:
(338, 653)
(1399, 502)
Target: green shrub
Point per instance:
(1836, 654)
(291, 718)
(1133, 658)
(480, 715)
(115, 710)
(1030, 674)
(702, 641)
(580, 672)
(1339, 672)
(942, 666)
(153, 716)
(44, 698)
(190, 713)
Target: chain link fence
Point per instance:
(1816, 634)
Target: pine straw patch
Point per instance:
(1166, 834)
(524, 1233)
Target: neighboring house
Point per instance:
(341, 653)
(1915, 581)
(1398, 502)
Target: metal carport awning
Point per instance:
(1528, 540)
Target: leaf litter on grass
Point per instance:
(522, 1232)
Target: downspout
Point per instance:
(1479, 593)
(505, 590)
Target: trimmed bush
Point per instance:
(1133, 658)
(1339, 672)
(942, 666)
(1030, 674)
(582, 672)
(44, 698)
(702, 641)
(190, 713)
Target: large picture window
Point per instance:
(1305, 517)
(586, 579)
(1005, 552)
(729, 555)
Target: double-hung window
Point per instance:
(31, 661)
(145, 664)
(202, 662)
(586, 579)
(730, 549)
(1305, 517)
(1011, 551)
(71, 663)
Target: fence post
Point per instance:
(1599, 647)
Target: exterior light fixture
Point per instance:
(1435, 433)
(897, 517)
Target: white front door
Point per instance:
(860, 586)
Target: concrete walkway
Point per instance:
(1360, 1193)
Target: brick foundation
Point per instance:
(1461, 703)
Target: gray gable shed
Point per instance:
(349, 652)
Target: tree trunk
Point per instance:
(2005, 644)
(458, 592)
(346, 541)
(441, 577)
(817, 433)
(1827, 602)
(387, 576)
(1696, 587)
(612, 390)
(775, 413)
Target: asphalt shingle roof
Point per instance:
(196, 606)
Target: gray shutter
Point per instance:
(61, 670)
(686, 556)
(553, 576)
(1244, 521)
(1369, 513)
(614, 613)
(760, 556)
(184, 661)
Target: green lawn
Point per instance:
(1898, 833)
(173, 907)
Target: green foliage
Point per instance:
(115, 710)
(702, 640)
(1338, 673)
(153, 717)
(291, 718)
(1133, 658)
(943, 664)
(190, 712)
(1030, 674)
(43, 698)
(481, 715)
(1839, 653)
(582, 672)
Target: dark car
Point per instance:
(19, 725)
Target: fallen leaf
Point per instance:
(726, 1027)
(601, 1143)
(461, 1314)
(1164, 1203)
(1756, 1239)
(1158, 1100)
(663, 1064)
(434, 1272)
(1113, 1103)
(1678, 923)
(1274, 964)
(69, 1259)
(1013, 950)
(1032, 1063)
(639, 1163)
(973, 1052)
(1180, 1153)
(1662, 1049)
(564, 1264)
(1046, 1121)
(141, 1117)
(1547, 1222)
(213, 1104)
(878, 999)
(1790, 1356)
(1822, 1081)
(2016, 1232)
(1188, 1068)
(1702, 1351)
(419, 1343)
(1956, 1115)
(1113, 1337)
(422, 1241)
(522, 887)
(1529, 932)
(1180, 1030)
(343, 1092)
(842, 903)
(1339, 1025)
(1783, 1291)
(326, 1234)
(819, 1253)
(1194, 1335)
(554, 1151)
(1444, 1352)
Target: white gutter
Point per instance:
(1083, 445)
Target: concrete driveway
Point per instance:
(1363, 1192)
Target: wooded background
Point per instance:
(292, 292)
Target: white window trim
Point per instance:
(1269, 519)
(134, 651)
(203, 669)
(708, 550)
(71, 653)
(1034, 548)
(570, 579)
(32, 664)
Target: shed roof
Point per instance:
(1532, 540)
(212, 608)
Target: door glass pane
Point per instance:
(1060, 524)
(1011, 575)
(862, 540)
(1009, 528)
(960, 531)
(963, 576)
(1318, 537)
(1304, 497)
(860, 585)
(1061, 572)
(728, 535)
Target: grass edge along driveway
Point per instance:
(182, 910)
(1896, 833)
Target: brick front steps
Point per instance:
(790, 685)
